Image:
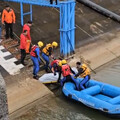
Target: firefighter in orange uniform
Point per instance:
(8, 18)
(23, 45)
(27, 27)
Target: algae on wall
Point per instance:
(3, 100)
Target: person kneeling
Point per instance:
(84, 72)
(67, 73)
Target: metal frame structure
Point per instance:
(67, 27)
(67, 21)
(23, 14)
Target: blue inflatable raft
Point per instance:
(97, 95)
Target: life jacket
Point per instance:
(66, 70)
(46, 48)
(86, 71)
(33, 53)
(54, 61)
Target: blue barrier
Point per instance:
(67, 21)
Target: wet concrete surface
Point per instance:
(109, 73)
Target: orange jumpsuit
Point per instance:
(28, 42)
(8, 17)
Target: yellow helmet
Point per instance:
(40, 44)
(55, 44)
(60, 63)
(64, 61)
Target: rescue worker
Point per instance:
(84, 72)
(35, 57)
(55, 66)
(67, 74)
(27, 27)
(23, 45)
(47, 52)
(8, 18)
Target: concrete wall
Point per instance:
(3, 100)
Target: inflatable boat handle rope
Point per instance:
(90, 106)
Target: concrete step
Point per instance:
(7, 61)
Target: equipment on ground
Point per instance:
(100, 9)
(51, 78)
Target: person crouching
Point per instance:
(84, 72)
(47, 53)
(35, 57)
(67, 74)
(55, 66)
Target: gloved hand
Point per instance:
(54, 73)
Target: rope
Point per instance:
(82, 59)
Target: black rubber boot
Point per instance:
(36, 77)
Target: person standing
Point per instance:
(23, 38)
(8, 19)
(47, 52)
(27, 27)
(35, 57)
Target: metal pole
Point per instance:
(73, 27)
(21, 8)
(30, 12)
(67, 28)
(100, 9)
(61, 44)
